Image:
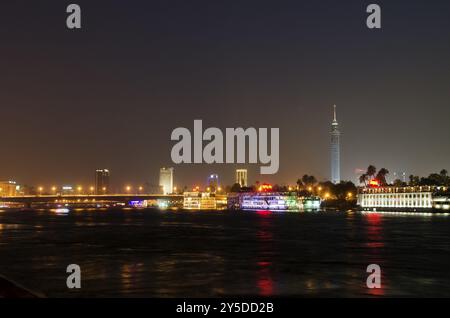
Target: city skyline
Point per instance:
(91, 103)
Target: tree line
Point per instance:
(434, 179)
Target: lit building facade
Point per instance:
(335, 150)
(9, 189)
(166, 180)
(213, 181)
(241, 177)
(402, 198)
(102, 185)
(204, 201)
(264, 201)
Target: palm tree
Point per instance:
(414, 180)
(381, 176)
(363, 179)
(371, 171)
(445, 178)
(305, 179)
(309, 180)
(312, 180)
(299, 184)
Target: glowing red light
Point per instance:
(265, 187)
(374, 183)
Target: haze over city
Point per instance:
(109, 95)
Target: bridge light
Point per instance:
(128, 188)
(54, 189)
(92, 189)
(104, 189)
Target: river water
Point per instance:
(151, 253)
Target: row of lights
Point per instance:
(327, 194)
(80, 189)
(197, 189)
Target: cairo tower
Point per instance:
(335, 150)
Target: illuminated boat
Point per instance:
(204, 201)
(310, 203)
(270, 201)
(376, 198)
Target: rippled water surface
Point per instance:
(150, 253)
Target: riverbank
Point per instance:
(11, 289)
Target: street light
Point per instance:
(128, 188)
(40, 189)
(92, 190)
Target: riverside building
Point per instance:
(416, 199)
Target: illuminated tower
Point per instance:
(166, 180)
(102, 181)
(335, 150)
(241, 177)
(213, 181)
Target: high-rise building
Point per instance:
(166, 180)
(335, 150)
(9, 189)
(241, 177)
(102, 181)
(213, 181)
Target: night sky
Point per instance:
(110, 94)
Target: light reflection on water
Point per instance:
(265, 238)
(148, 253)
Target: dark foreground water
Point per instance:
(149, 253)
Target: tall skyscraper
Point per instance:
(241, 177)
(213, 181)
(335, 150)
(9, 189)
(166, 180)
(102, 181)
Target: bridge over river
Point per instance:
(85, 199)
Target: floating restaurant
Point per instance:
(413, 198)
(268, 200)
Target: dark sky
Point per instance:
(110, 94)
